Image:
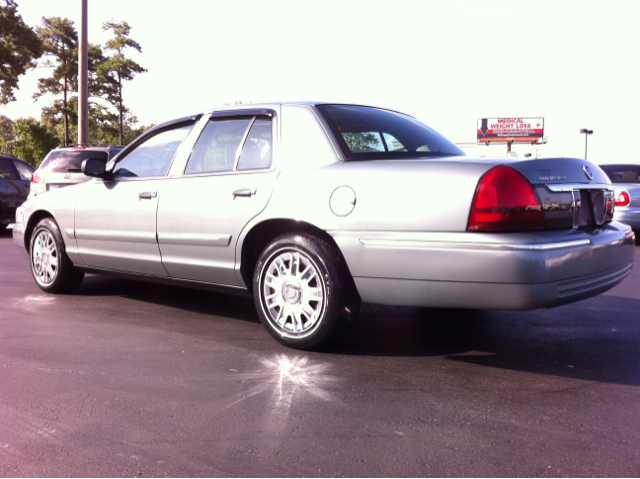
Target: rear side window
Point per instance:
(366, 133)
(64, 161)
(256, 152)
(218, 146)
(25, 171)
(227, 142)
(622, 173)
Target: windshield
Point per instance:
(366, 133)
(622, 173)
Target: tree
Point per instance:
(19, 48)
(7, 135)
(60, 40)
(118, 67)
(33, 140)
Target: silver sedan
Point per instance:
(311, 208)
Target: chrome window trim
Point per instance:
(243, 141)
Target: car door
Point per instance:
(227, 181)
(115, 220)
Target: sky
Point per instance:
(448, 63)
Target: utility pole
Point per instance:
(83, 79)
(586, 135)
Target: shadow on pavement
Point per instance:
(194, 300)
(596, 340)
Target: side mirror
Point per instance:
(95, 168)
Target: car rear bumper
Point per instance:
(512, 271)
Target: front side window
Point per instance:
(154, 155)
(366, 133)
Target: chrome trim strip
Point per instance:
(580, 186)
(124, 236)
(409, 244)
(194, 239)
(577, 205)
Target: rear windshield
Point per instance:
(622, 173)
(366, 133)
(63, 160)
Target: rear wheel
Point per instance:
(303, 292)
(51, 267)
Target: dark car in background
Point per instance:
(61, 167)
(626, 183)
(15, 176)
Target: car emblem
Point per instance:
(587, 172)
(67, 177)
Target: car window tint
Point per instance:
(153, 157)
(393, 144)
(364, 141)
(5, 169)
(256, 152)
(365, 133)
(622, 173)
(217, 147)
(25, 171)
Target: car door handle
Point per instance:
(147, 195)
(246, 192)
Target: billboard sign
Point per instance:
(504, 130)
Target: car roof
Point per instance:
(267, 105)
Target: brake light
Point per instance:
(622, 199)
(505, 201)
(36, 178)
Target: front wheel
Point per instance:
(303, 292)
(51, 267)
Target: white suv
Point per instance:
(62, 166)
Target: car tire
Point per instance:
(50, 266)
(303, 292)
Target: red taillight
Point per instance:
(622, 199)
(36, 178)
(505, 201)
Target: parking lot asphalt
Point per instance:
(130, 379)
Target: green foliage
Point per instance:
(362, 141)
(118, 68)
(19, 48)
(33, 141)
(58, 39)
(7, 135)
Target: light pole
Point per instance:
(586, 135)
(83, 79)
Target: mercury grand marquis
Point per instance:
(311, 208)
